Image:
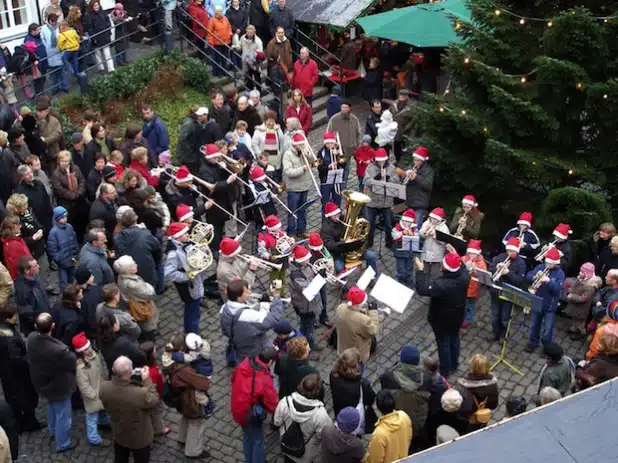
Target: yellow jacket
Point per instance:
(68, 40)
(391, 438)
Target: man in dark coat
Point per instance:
(52, 368)
(141, 245)
(92, 298)
(209, 132)
(221, 113)
(154, 131)
(104, 208)
(189, 137)
(38, 199)
(11, 428)
(29, 294)
(374, 117)
(81, 157)
(14, 372)
(280, 16)
(259, 18)
(420, 184)
(247, 113)
(446, 308)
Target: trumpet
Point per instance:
(409, 174)
(261, 263)
(541, 255)
(462, 226)
(500, 267)
(538, 280)
(341, 158)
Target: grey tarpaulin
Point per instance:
(579, 428)
(338, 13)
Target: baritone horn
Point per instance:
(356, 227)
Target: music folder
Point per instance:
(350, 246)
(393, 190)
(460, 245)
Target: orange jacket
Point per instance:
(609, 326)
(474, 287)
(222, 29)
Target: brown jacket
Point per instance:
(129, 407)
(51, 131)
(188, 381)
(355, 327)
(283, 50)
(473, 223)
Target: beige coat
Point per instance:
(228, 269)
(355, 327)
(89, 378)
(51, 131)
(294, 175)
(134, 287)
(6, 285)
(349, 129)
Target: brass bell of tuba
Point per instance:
(356, 227)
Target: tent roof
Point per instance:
(338, 13)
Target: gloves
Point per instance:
(373, 305)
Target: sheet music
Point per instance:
(392, 293)
(259, 197)
(410, 243)
(311, 291)
(366, 278)
(393, 190)
(334, 176)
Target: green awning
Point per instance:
(424, 25)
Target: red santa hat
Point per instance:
(183, 175)
(176, 230)
(298, 139)
(356, 296)
(315, 242)
(513, 244)
(525, 219)
(257, 174)
(80, 342)
(421, 153)
(184, 212)
(437, 213)
(562, 231)
(469, 199)
(381, 155)
(301, 254)
(451, 262)
(329, 137)
(210, 151)
(409, 216)
(229, 247)
(553, 256)
(272, 223)
(331, 209)
(474, 247)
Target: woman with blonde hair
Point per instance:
(69, 187)
(481, 386)
(299, 108)
(294, 366)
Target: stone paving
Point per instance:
(224, 436)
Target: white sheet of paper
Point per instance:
(392, 293)
(311, 291)
(366, 278)
(334, 176)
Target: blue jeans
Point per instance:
(65, 276)
(324, 297)
(387, 215)
(220, 61)
(542, 321)
(93, 420)
(405, 269)
(295, 200)
(253, 444)
(470, 309)
(307, 327)
(369, 257)
(420, 217)
(448, 351)
(59, 421)
(500, 314)
(361, 183)
(192, 316)
(328, 194)
(236, 60)
(69, 58)
(59, 79)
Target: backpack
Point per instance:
(292, 441)
(482, 415)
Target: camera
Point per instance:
(136, 375)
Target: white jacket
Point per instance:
(387, 129)
(433, 250)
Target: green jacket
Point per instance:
(187, 147)
(291, 372)
(560, 376)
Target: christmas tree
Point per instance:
(531, 105)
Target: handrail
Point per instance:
(318, 46)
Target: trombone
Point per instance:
(541, 255)
(232, 216)
(164, 170)
(261, 263)
(236, 164)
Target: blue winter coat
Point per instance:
(95, 260)
(41, 51)
(156, 135)
(62, 245)
(333, 105)
(550, 292)
(144, 248)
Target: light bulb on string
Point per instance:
(457, 26)
(550, 23)
(523, 80)
(605, 96)
(534, 163)
(441, 109)
(467, 59)
(579, 85)
(606, 20)
(497, 12)
(485, 129)
(570, 171)
(522, 21)
(463, 112)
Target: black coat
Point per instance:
(92, 147)
(145, 250)
(209, 133)
(223, 117)
(607, 262)
(84, 160)
(250, 116)
(448, 299)
(291, 372)
(346, 393)
(11, 427)
(122, 345)
(52, 367)
(332, 235)
(257, 15)
(92, 298)
(418, 191)
(30, 296)
(11, 159)
(239, 19)
(282, 18)
(39, 202)
(129, 145)
(29, 227)
(223, 193)
(370, 126)
(105, 211)
(149, 217)
(176, 196)
(93, 181)
(68, 321)
(97, 24)
(372, 85)
(567, 260)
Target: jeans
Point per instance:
(93, 420)
(398, 149)
(59, 422)
(448, 351)
(361, 183)
(192, 316)
(69, 58)
(542, 321)
(405, 269)
(219, 65)
(168, 22)
(65, 276)
(470, 309)
(295, 200)
(59, 79)
(420, 217)
(387, 215)
(324, 297)
(500, 314)
(307, 327)
(253, 444)
(369, 257)
(329, 194)
(122, 454)
(236, 59)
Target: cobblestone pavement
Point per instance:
(224, 436)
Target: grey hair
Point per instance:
(123, 263)
(244, 99)
(106, 188)
(305, 48)
(549, 394)
(254, 92)
(93, 234)
(121, 210)
(294, 123)
(21, 170)
(123, 366)
(129, 218)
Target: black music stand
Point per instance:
(460, 245)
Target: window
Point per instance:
(15, 15)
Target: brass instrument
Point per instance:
(409, 174)
(164, 170)
(305, 153)
(462, 226)
(341, 157)
(284, 244)
(323, 265)
(199, 258)
(537, 281)
(206, 198)
(541, 255)
(356, 228)
(500, 267)
(261, 263)
(202, 233)
(236, 165)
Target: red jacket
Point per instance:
(200, 19)
(152, 180)
(304, 76)
(363, 156)
(156, 377)
(119, 169)
(304, 115)
(13, 249)
(263, 390)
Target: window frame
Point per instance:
(14, 31)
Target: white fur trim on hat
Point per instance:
(364, 301)
(316, 248)
(84, 347)
(188, 178)
(188, 215)
(303, 259)
(512, 248)
(178, 234)
(275, 228)
(467, 201)
(559, 235)
(434, 216)
(524, 222)
(450, 269)
(335, 212)
(473, 251)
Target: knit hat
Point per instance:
(562, 231)
(553, 256)
(451, 400)
(315, 242)
(298, 139)
(513, 244)
(301, 254)
(474, 247)
(381, 155)
(229, 247)
(184, 212)
(469, 199)
(272, 223)
(59, 211)
(554, 351)
(366, 139)
(108, 172)
(176, 230)
(329, 137)
(356, 296)
(348, 419)
(421, 153)
(80, 342)
(445, 433)
(76, 137)
(183, 175)
(410, 355)
(165, 157)
(283, 327)
(587, 270)
(451, 262)
(82, 275)
(121, 210)
(210, 151)
(257, 174)
(331, 209)
(525, 219)
(516, 405)
(437, 213)
(150, 191)
(612, 310)
(194, 341)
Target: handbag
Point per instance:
(257, 414)
(360, 407)
(141, 310)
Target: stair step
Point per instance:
(319, 119)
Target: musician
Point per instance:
(318, 251)
(561, 234)
(433, 250)
(224, 182)
(230, 266)
(513, 273)
(473, 260)
(405, 227)
(551, 279)
(298, 182)
(467, 219)
(300, 277)
(259, 184)
(240, 152)
(380, 170)
(267, 248)
(419, 184)
(190, 290)
(332, 233)
(180, 191)
(531, 243)
(330, 158)
(348, 127)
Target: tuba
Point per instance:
(356, 228)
